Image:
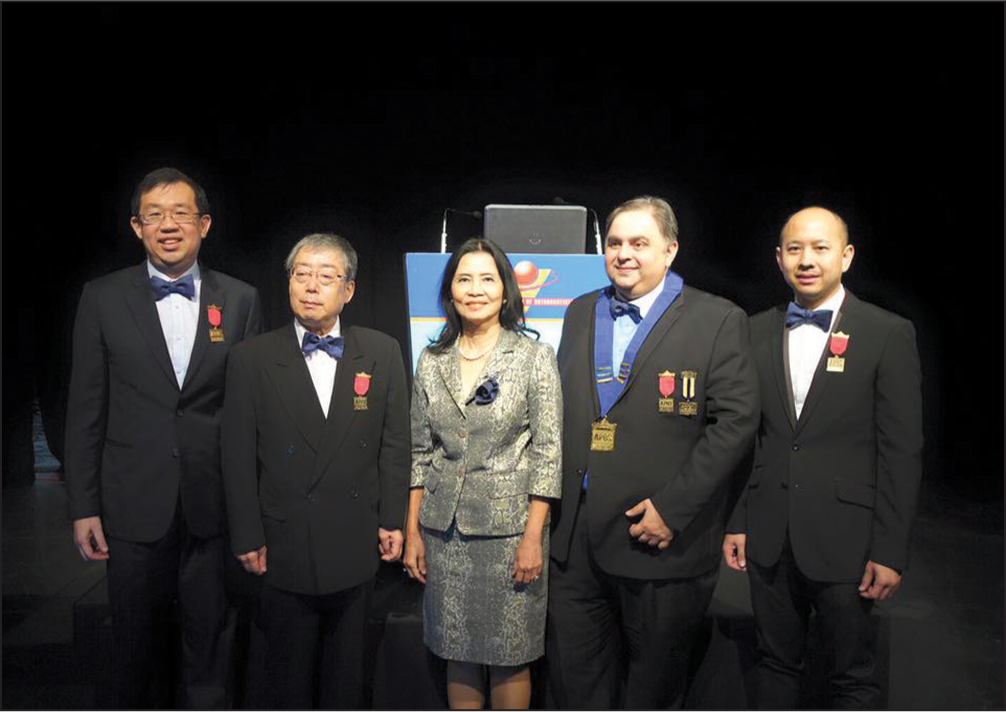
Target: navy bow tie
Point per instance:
(796, 316)
(186, 286)
(620, 307)
(332, 345)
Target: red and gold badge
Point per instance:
(838, 344)
(665, 384)
(215, 316)
(361, 386)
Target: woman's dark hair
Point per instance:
(512, 311)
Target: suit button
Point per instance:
(353, 493)
(175, 452)
(179, 412)
(289, 449)
(462, 433)
(580, 471)
(796, 446)
(363, 443)
(461, 472)
(312, 498)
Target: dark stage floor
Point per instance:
(945, 631)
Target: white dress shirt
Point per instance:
(179, 319)
(625, 327)
(321, 366)
(806, 343)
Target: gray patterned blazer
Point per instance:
(479, 463)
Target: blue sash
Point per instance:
(609, 382)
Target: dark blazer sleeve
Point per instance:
(239, 455)
(395, 458)
(732, 411)
(898, 417)
(87, 410)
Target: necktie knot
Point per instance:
(796, 315)
(186, 286)
(620, 307)
(332, 345)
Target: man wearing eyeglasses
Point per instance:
(316, 457)
(150, 346)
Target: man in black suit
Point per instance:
(661, 403)
(316, 472)
(824, 520)
(150, 348)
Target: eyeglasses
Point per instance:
(303, 275)
(181, 217)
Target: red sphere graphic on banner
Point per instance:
(526, 272)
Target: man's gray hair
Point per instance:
(659, 208)
(325, 241)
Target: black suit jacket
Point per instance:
(683, 463)
(315, 490)
(135, 441)
(843, 478)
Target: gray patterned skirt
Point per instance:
(472, 610)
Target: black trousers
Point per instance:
(619, 643)
(315, 647)
(144, 582)
(782, 598)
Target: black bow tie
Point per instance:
(332, 345)
(795, 315)
(186, 286)
(620, 307)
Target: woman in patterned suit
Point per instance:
(486, 449)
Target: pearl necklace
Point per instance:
(482, 355)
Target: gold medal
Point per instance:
(688, 406)
(602, 435)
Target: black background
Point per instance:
(370, 119)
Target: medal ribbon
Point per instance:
(609, 383)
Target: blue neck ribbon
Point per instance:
(609, 382)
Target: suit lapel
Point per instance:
(295, 387)
(780, 364)
(140, 302)
(341, 412)
(450, 373)
(655, 336)
(821, 380)
(502, 355)
(209, 293)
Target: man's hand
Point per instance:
(90, 539)
(879, 582)
(734, 551)
(415, 556)
(254, 561)
(390, 543)
(651, 529)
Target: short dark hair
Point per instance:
(512, 311)
(166, 176)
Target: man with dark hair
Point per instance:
(661, 404)
(316, 462)
(150, 348)
(824, 520)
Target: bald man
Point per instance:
(823, 523)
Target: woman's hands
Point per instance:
(528, 561)
(415, 556)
